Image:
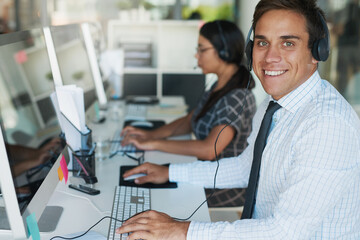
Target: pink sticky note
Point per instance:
(20, 57)
(64, 168)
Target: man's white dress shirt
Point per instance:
(309, 184)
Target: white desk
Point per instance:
(82, 211)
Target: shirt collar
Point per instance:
(295, 99)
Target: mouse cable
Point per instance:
(83, 234)
(216, 171)
(140, 160)
(94, 225)
(217, 160)
(177, 219)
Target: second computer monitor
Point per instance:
(75, 64)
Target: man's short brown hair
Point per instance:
(307, 8)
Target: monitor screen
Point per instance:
(30, 146)
(73, 60)
(26, 80)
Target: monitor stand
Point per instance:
(4, 223)
(50, 218)
(47, 222)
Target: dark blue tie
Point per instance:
(260, 143)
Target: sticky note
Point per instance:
(60, 174)
(97, 110)
(33, 228)
(64, 168)
(20, 57)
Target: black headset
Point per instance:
(320, 50)
(223, 53)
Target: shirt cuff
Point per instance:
(178, 172)
(199, 231)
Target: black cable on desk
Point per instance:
(80, 235)
(217, 159)
(216, 171)
(192, 214)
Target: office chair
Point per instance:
(225, 213)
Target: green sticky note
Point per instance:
(33, 228)
(97, 110)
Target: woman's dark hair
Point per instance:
(226, 36)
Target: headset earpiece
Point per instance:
(249, 44)
(223, 53)
(321, 47)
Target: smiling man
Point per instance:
(282, 58)
(308, 182)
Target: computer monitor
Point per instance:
(24, 63)
(94, 64)
(23, 66)
(73, 60)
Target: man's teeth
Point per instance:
(274, 73)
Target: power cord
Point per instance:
(192, 214)
(124, 153)
(177, 219)
(217, 160)
(83, 234)
(140, 160)
(216, 171)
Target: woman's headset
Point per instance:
(223, 53)
(320, 49)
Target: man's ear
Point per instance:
(314, 61)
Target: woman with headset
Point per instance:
(229, 101)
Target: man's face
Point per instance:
(281, 57)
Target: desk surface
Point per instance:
(82, 211)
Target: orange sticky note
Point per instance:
(60, 174)
(64, 168)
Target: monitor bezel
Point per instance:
(16, 216)
(95, 68)
(8, 193)
(17, 221)
(90, 92)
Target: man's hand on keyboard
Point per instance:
(154, 173)
(154, 225)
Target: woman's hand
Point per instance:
(154, 173)
(142, 144)
(131, 132)
(154, 225)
